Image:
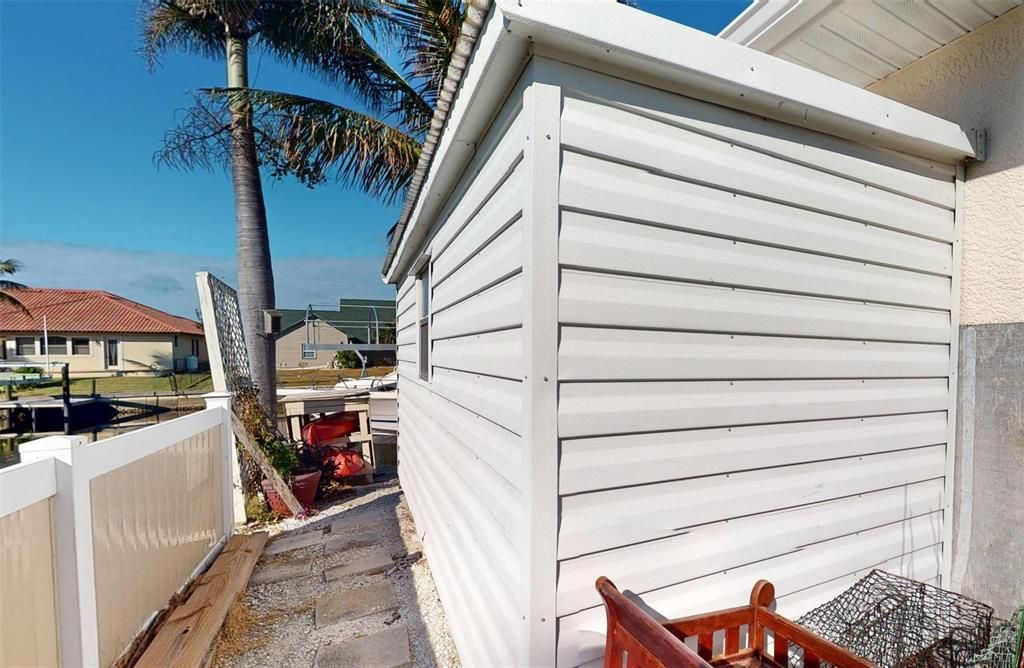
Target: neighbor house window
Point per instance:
(195, 347)
(308, 354)
(80, 346)
(58, 345)
(423, 285)
(24, 345)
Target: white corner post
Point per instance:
(73, 549)
(542, 104)
(231, 475)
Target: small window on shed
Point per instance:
(79, 346)
(423, 297)
(24, 345)
(58, 345)
(308, 354)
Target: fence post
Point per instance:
(231, 486)
(73, 549)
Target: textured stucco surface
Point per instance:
(977, 81)
(988, 554)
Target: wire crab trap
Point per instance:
(1006, 648)
(896, 622)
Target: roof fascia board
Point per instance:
(722, 72)
(494, 67)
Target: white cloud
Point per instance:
(167, 280)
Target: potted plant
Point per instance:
(283, 456)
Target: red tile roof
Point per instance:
(88, 311)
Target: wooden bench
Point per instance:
(637, 640)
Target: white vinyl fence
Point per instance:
(95, 538)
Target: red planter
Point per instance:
(304, 488)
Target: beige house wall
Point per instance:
(183, 348)
(139, 353)
(289, 345)
(977, 81)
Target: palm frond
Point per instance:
(192, 26)
(332, 40)
(202, 138)
(430, 30)
(315, 140)
(7, 268)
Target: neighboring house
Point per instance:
(674, 312)
(962, 61)
(98, 333)
(355, 321)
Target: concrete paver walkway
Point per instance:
(345, 589)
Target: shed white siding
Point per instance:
(756, 327)
(460, 436)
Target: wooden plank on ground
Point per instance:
(187, 636)
(280, 486)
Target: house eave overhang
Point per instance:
(679, 58)
(858, 42)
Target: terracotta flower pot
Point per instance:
(304, 488)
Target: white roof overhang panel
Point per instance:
(859, 41)
(631, 42)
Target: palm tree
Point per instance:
(8, 268)
(376, 152)
(325, 38)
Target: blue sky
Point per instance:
(83, 205)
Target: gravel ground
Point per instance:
(273, 624)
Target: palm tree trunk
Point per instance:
(255, 273)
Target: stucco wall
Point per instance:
(978, 82)
(138, 353)
(289, 345)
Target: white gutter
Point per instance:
(679, 58)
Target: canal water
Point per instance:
(131, 414)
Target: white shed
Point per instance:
(672, 311)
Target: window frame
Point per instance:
(47, 345)
(423, 343)
(88, 346)
(18, 343)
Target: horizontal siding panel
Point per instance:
(915, 177)
(623, 191)
(503, 207)
(480, 185)
(727, 545)
(620, 301)
(614, 518)
(499, 499)
(498, 307)
(407, 369)
(406, 335)
(497, 447)
(405, 288)
(599, 129)
(587, 353)
(499, 259)
(619, 246)
(581, 635)
(494, 353)
(485, 613)
(496, 399)
(406, 353)
(600, 408)
(603, 462)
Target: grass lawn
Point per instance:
(107, 386)
(191, 383)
